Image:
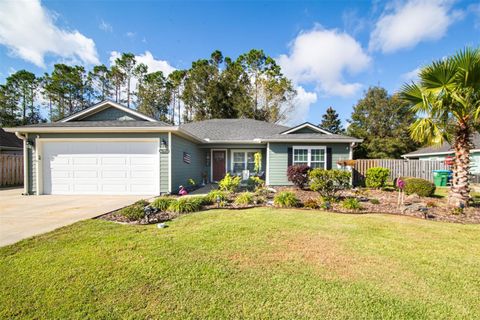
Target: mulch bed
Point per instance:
(438, 209)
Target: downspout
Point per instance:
(25, 162)
(352, 145)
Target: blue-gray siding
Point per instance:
(278, 159)
(110, 114)
(182, 171)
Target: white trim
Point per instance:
(100, 106)
(326, 140)
(306, 125)
(39, 156)
(39, 165)
(169, 163)
(245, 151)
(267, 169)
(89, 129)
(309, 153)
(211, 162)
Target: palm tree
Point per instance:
(447, 102)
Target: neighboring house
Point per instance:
(445, 150)
(9, 143)
(111, 149)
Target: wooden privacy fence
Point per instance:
(403, 168)
(11, 170)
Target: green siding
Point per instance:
(111, 113)
(278, 159)
(163, 157)
(474, 160)
(305, 130)
(182, 171)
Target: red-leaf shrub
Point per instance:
(298, 175)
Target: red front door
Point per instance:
(218, 165)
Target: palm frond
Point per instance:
(425, 130)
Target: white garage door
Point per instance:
(101, 167)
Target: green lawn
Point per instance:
(258, 263)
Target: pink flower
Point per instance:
(400, 183)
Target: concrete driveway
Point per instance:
(25, 216)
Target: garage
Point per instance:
(99, 166)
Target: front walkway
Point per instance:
(25, 216)
(202, 191)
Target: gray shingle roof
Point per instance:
(249, 129)
(232, 129)
(445, 147)
(8, 139)
(114, 123)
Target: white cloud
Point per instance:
(322, 57)
(404, 25)
(130, 34)
(302, 103)
(29, 32)
(411, 75)
(149, 60)
(105, 26)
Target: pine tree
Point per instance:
(331, 122)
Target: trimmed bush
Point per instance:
(311, 204)
(422, 187)
(298, 175)
(285, 199)
(244, 199)
(162, 203)
(351, 204)
(376, 177)
(213, 195)
(133, 212)
(374, 201)
(229, 183)
(329, 182)
(186, 205)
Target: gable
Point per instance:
(108, 111)
(111, 114)
(306, 130)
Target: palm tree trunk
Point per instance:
(460, 191)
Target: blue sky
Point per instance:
(333, 50)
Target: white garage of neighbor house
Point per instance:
(109, 149)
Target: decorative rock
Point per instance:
(413, 198)
(161, 225)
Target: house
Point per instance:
(9, 143)
(111, 149)
(440, 153)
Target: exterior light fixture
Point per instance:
(163, 146)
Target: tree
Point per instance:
(331, 122)
(22, 87)
(101, 82)
(175, 87)
(126, 65)
(447, 100)
(383, 122)
(153, 96)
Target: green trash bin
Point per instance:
(440, 177)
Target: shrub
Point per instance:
(229, 183)
(311, 204)
(162, 203)
(142, 203)
(244, 199)
(376, 177)
(213, 195)
(329, 182)
(133, 212)
(374, 201)
(421, 187)
(285, 199)
(255, 183)
(298, 175)
(351, 204)
(186, 205)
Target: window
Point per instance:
(243, 160)
(314, 157)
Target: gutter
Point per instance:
(25, 162)
(314, 140)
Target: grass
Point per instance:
(256, 263)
